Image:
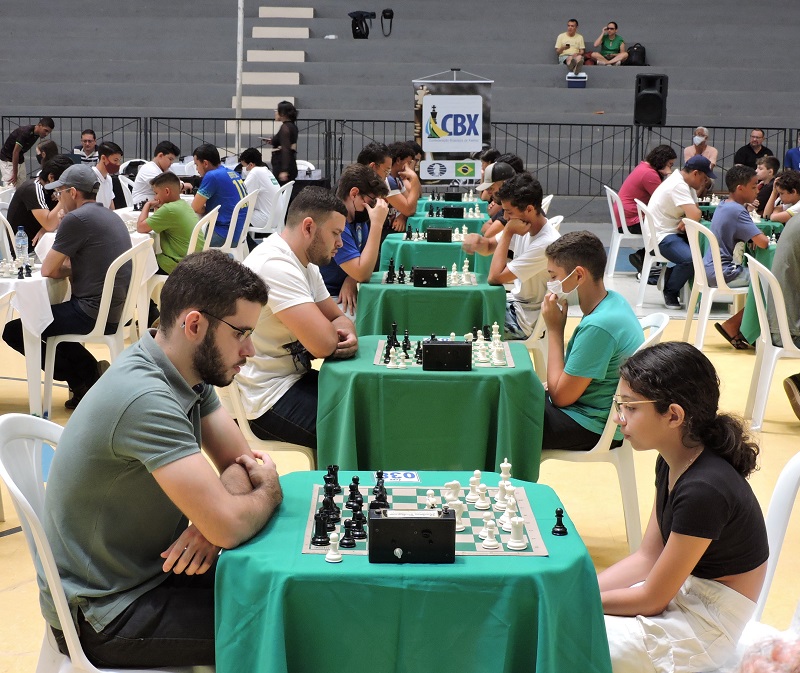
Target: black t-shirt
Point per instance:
(30, 196)
(764, 193)
(712, 500)
(24, 136)
(746, 156)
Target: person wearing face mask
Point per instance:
(582, 380)
(45, 151)
(363, 192)
(108, 164)
(700, 146)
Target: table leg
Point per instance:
(33, 368)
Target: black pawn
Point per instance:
(331, 510)
(353, 493)
(320, 538)
(411, 275)
(408, 233)
(358, 528)
(406, 341)
(430, 210)
(559, 529)
(438, 213)
(401, 276)
(379, 473)
(333, 470)
(387, 356)
(347, 541)
(418, 353)
(474, 333)
(358, 514)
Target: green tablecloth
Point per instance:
(422, 222)
(423, 310)
(281, 611)
(424, 204)
(421, 253)
(371, 417)
(750, 328)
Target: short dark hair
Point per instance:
(512, 160)
(166, 179)
(211, 281)
(416, 147)
(490, 156)
(575, 21)
(789, 181)
(166, 147)
(108, 148)
(89, 132)
(770, 163)
(55, 166)
(761, 131)
(251, 156)
(400, 150)
(48, 122)
(48, 149)
(660, 156)
(738, 175)
(315, 202)
(364, 178)
(374, 153)
(578, 248)
(286, 109)
(207, 152)
(614, 22)
(521, 191)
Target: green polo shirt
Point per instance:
(174, 222)
(105, 516)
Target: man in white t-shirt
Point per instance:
(258, 177)
(107, 165)
(674, 199)
(527, 233)
(164, 155)
(299, 323)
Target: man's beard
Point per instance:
(207, 361)
(317, 254)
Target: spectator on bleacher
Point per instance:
(46, 150)
(284, 156)
(19, 141)
(766, 170)
(570, 47)
(164, 155)
(87, 150)
(786, 188)
(755, 149)
(404, 187)
(674, 199)
(31, 206)
(220, 186)
(258, 177)
(700, 146)
(732, 225)
(792, 159)
(108, 164)
(612, 46)
(376, 156)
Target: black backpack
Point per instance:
(637, 55)
(360, 26)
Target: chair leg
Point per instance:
(690, 306)
(646, 266)
(49, 367)
(626, 474)
(755, 378)
(613, 252)
(702, 317)
(764, 384)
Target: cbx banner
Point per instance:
(452, 123)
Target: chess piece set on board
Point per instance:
(415, 235)
(466, 277)
(9, 268)
(395, 276)
(481, 518)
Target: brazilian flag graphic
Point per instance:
(464, 170)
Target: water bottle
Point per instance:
(21, 245)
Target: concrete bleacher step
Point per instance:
(285, 12)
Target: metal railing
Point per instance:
(569, 159)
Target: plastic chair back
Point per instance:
(556, 222)
(7, 237)
(127, 189)
(303, 165)
(648, 226)
(546, 201)
(205, 225)
(248, 202)
(280, 205)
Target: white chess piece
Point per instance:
(483, 498)
(459, 508)
(510, 513)
(468, 337)
(454, 275)
(471, 195)
(465, 268)
(482, 357)
(453, 491)
(517, 540)
(401, 360)
(491, 541)
(477, 212)
(505, 470)
(392, 364)
(334, 555)
(474, 480)
(498, 356)
(500, 497)
(484, 533)
(452, 336)
(464, 231)
(468, 213)
(430, 499)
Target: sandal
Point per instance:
(738, 341)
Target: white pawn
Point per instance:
(498, 359)
(459, 508)
(430, 499)
(474, 480)
(468, 337)
(500, 497)
(510, 513)
(484, 533)
(505, 470)
(491, 541)
(334, 555)
(483, 498)
(468, 214)
(452, 336)
(471, 196)
(401, 360)
(392, 364)
(517, 540)
(464, 231)
(482, 357)
(476, 212)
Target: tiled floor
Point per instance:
(589, 492)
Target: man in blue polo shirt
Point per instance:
(222, 187)
(362, 191)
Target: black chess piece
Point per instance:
(358, 528)
(387, 352)
(411, 275)
(358, 513)
(487, 332)
(330, 525)
(559, 529)
(353, 492)
(347, 541)
(333, 470)
(430, 210)
(401, 276)
(27, 271)
(21, 273)
(474, 333)
(390, 273)
(408, 233)
(320, 538)
(380, 501)
(406, 341)
(379, 473)
(418, 353)
(395, 342)
(333, 507)
(438, 213)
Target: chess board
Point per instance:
(411, 362)
(471, 281)
(406, 497)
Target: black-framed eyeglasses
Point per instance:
(610, 28)
(369, 200)
(619, 404)
(243, 332)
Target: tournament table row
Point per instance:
(281, 611)
(422, 253)
(426, 310)
(370, 417)
(422, 222)
(425, 203)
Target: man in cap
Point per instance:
(89, 238)
(493, 178)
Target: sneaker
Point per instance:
(792, 388)
(671, 300)
(637, 260)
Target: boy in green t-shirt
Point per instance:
(612, 46)
(172, 218)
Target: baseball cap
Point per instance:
(79, 176)
(496, 172)
(700, 163)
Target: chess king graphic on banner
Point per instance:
(452, 123)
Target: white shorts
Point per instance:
(697, 632)
(7, 167)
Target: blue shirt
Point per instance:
(792, 159)
(731, 223)
(225, 188)
(354, 238)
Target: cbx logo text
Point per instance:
(462, 125)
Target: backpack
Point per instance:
(359, 25)
(637, 55)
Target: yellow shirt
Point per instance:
(575, 43)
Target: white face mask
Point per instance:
(698, 140)
(556, 287)
(244, 172)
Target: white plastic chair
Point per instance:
(536, 344)
(21, 438)
(233, 395)
(620, 457)
(701, 285)
(767, 354)
(133, 163)
(546, 201)
(303, 165)
(116, 341)
(127, 189)
(652, 253)
(277, 213)
(7, 236)
(238, 248)
(556, 222)
(617, 212)
(6, 193)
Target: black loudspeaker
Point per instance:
(650, 103)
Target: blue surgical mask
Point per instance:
(556, 287)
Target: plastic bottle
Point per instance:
(21, 245)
